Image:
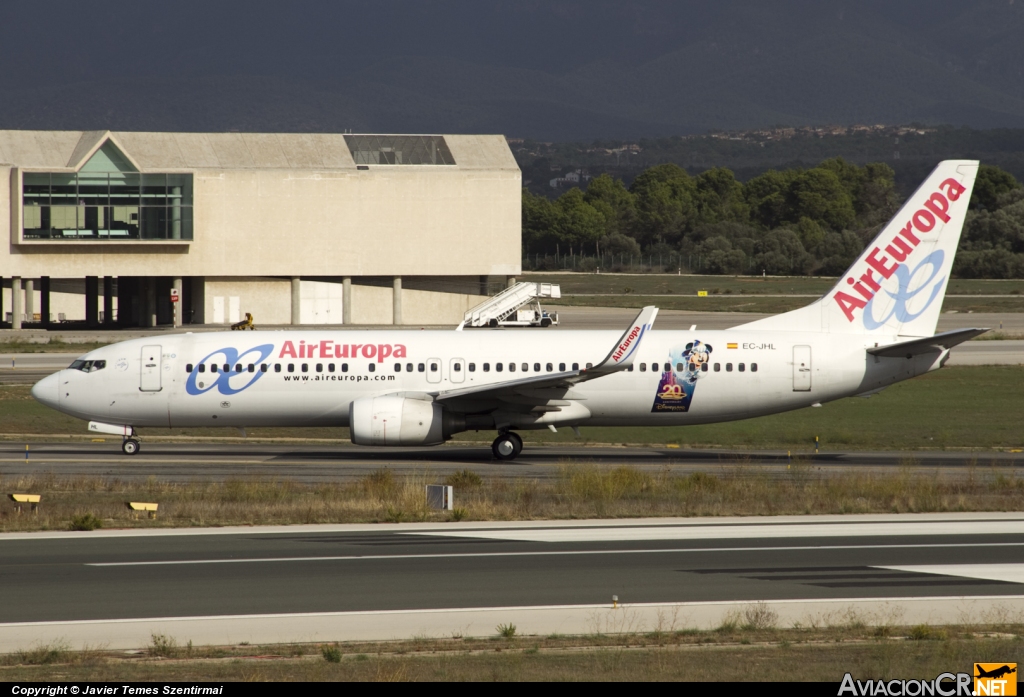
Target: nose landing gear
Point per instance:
(130, 446)
(507, 446)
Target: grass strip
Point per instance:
(764, 653)
(573, 492)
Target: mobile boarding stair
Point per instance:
(509, 308)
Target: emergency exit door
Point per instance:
(801, 368)
(152, 365)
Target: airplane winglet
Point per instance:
(625, 350)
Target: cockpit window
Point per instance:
(88, 366)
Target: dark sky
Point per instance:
(557, 69)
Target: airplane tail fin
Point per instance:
(897, 285)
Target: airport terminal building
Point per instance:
(124, 229)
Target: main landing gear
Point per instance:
(130, 445)
(507, 446)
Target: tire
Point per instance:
(546, 322)
(518, 443)
(130, 446)
(504, 448)
(492, 323)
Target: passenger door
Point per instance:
(801, 368)
(433, 370)
(152, 364)
(457, 370)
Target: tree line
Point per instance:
(796, 221)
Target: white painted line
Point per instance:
(566, 553)
(1012, 573)
(727, 532)
(747, 523)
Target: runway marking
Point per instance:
(770, 531)
(567, 553)
(1011, 573)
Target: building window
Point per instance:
(399, 150)
(98, 204)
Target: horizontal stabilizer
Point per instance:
(928, 344)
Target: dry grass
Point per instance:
(765, 653)
(577, 491)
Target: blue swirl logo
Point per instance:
(230, 382)
(904, 294)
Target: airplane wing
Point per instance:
(542, 389)
(928, 344)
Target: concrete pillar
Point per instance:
(17, 310)
(396, 301)
(108, 300)
(92, 292)
(346, 300)
(150, 316)
(178, 306)
(30, 299)
(511, 281)
(44, 301)
(296, 300)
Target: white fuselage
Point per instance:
(312, 377)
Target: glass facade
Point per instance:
(105, 200)
(399, 150)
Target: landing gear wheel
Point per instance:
(130, 446)
(506, 446)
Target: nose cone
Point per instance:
(47, 390)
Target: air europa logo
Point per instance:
(623, 350)
(897, 251)
(329, 349)
(228, 382)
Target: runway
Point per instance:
(312, 463)
(306, 583)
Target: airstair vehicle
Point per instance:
(518, 306)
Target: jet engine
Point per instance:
(396, 420)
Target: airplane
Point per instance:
(876, 327)
(994, 673)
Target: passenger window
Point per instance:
(263, 367)
(344, 367)
(188, 368)
(526, 367)
(472, 367)
(408, 367)
(202, 368)
(728, 367)
(643, 367)
(373, 367)
(421, 367)
(561, 367)
(498, 367)
(319, 367)
(330, 367)
(536, 367)
(680, 368)
(550, 368)
(704, 367)
(487, 367)
(457, 367)
(753, 367)
(252, 368)
(238, 367)
(511, 367)
(291, 367)
(629, 369)
(433, 367)
(398, 367)
(227, 367)
(575, 366)
(277, 367)
(718, 367)
(213, 367)
(589, 365)
(305, 367)
(668, 367)
(742, 367)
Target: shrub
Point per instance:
(87, 521)
(506, 631)
(331, 654)
(463, 478)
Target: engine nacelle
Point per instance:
(394, 420)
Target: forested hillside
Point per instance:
(787, 222)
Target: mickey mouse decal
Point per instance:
(676, 387)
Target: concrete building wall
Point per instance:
(267, 299)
